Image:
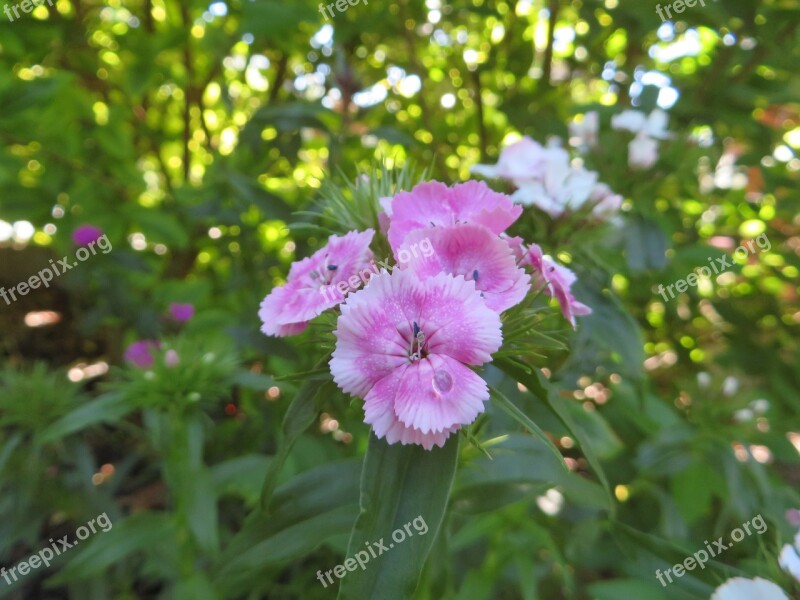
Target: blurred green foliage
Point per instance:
(191, 133)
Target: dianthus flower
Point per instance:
(433, 204)
(312, 285)
(403, 345)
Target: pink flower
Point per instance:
(140, 354)
(181, 312)
(433, 204)
(479, 255)
(83, 235)
(171, 358)
(403, 344)
(607, 202)
(793, 517)
(556, 280)
(317, 283)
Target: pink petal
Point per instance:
(433, 204)
(311, 287)
(379, 412)
(476, 253)
(438, 393)
(375, 330)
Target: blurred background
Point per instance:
(189, 134)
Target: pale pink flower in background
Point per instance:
(739, 588)
(642, 152)
(171, 359)
(793, 517)
(83, 235)
(789, 558)
(310, 288)
(433, 204)
(607, 203)
(479, 255)
(403, 345)
(556, 280)
(563, 187)
(520, 161)
(140, 354)
(545, 178)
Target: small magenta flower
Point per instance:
(83, 235)
(556, 280)
(181, 312)
(433, 204)
(140, 354)
(317, 283)
(479, 255)
(403, 345)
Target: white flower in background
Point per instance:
(703, 379)
(789, 558)
(629, 120)
(545, 178)
(730, 386)
(642, 152)
(635, 121)
(584, 132)
(740, 588)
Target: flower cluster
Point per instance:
(406, 340)
(545, 178)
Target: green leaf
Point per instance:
(158, 226)
(626, 588)
(136, 534)
(241, 475)
(398, 485)
(105, 409)
(291, 543)
(537, 385)
(693, 489)
(515, 413)
(301, 415)
(520, 466)
(195, 587)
